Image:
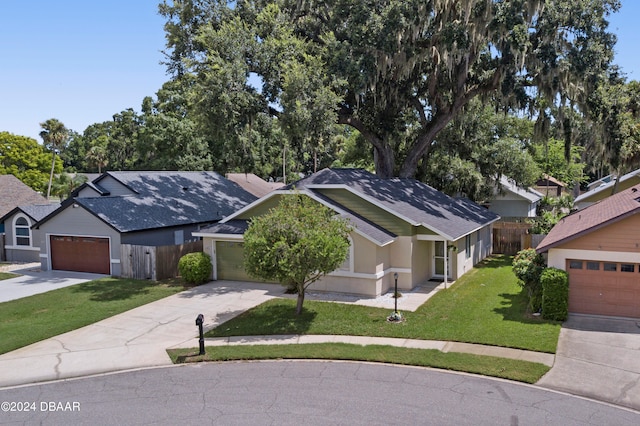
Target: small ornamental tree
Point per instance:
(296, 243)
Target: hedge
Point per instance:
(555, 294)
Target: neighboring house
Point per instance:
(20, 238)
(400, 226)
(254, 184)
(14, 193)
(549, 186)
(511, 200)
(604, 187)
(140, 208)
(599, 246)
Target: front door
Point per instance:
(439, 260)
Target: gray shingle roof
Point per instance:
(39, 211)
(165, 199)
(14, 193)
(415, 201)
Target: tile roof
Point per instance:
(410, 199)
(165, 199)
(14, 193)
(596, 216)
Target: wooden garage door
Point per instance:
(82, 254)
(604, 288)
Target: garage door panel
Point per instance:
(80, 254)
(600, 292)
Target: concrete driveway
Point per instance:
(34, 281)
(598, 357)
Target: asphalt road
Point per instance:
(296, 393)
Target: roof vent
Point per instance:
(634, 189)
(185, 188)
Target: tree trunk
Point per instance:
(300, 300)
(384, 160)
(53, 164)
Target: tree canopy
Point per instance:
(397, 71)
(296, 243)
(27, 160)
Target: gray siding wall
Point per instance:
(114, 187)
(159, 237)
(16, 253)
(88, 192)
(510, 208)
(78, 222)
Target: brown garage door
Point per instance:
(604, 288)
(82, 254)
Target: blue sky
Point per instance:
(82, 61)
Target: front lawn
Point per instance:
(38, 317)
(485, 306)
(6, 275)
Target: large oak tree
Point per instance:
(397, 71)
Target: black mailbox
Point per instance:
(199, 322)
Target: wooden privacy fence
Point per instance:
(508, 237)
(153, 262)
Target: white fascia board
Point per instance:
(219, 237)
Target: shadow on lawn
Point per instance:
(514, 308)
(272, 319)
(108, 289)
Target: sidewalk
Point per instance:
(442, 346)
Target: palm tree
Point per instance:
(98, 155)
(54, 134)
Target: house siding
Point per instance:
(615, 237)
(15, 253)
(88, 192)
(159, 237)
(369, 211)
(513, 208)
(78, 222)
(114, 187)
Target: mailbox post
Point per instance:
(199, 322)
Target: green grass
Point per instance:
(7, 275)
(485, 306)
(31, 319)
(522, 371)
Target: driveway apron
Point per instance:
(598, 357)
(134, 339)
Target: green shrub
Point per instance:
(555, 294)
(195, 268)
(528, 266)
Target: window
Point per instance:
(593, 266)
(22, 231)
(627, 267)
(575, 264)
(467, 246)
(611, 267)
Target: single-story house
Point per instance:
(20, 238)
(550, 186)
(254, 184)
(14, 193)
(511, 200)
(400, 226)
(599, 247)
(604, 187)
(139, 208)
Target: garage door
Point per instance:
(604, 288)
(230, 259)
(82, 254)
